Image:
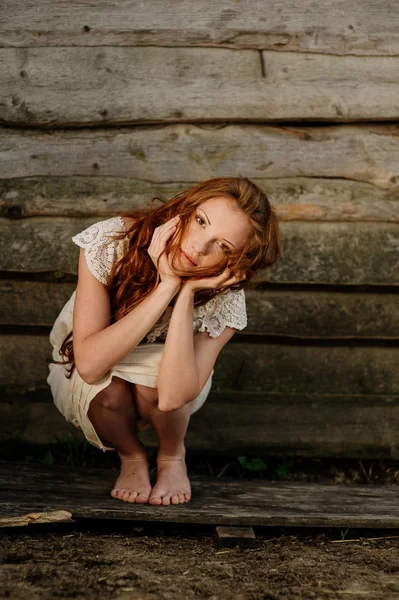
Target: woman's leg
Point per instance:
(173, 485)
(113, 415)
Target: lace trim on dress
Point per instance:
(228, 310)
(101, 251)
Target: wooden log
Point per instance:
(295, 199)
(269, 25)
(267, 368)
(362, 426)
(322, 253)
(368, 154)
(39, 86)
(300, 314)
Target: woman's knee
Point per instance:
(116, 396)
(146, 394)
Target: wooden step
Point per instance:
(85, 493)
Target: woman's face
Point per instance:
(217, 226)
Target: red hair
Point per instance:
(134, 276)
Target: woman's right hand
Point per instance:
(158, 243)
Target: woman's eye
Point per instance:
(221, 245)
(201, 219)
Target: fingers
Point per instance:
(226, 279)
(161, 235)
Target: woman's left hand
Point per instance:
(221, 281)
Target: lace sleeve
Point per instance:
(101, 251)
(228, 309)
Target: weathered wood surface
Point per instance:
(86, 494)
(366, 154)
(18, 518)
(229, 537)
(298, 314)
(295, 199)
(358, 28)
(254, 424)
(122, 85)
(322, 253)
(266, 368)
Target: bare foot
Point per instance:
(133, 484)
(173, 485)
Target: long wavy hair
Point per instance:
(134, 276)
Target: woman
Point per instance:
(174, 274)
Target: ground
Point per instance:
(143, 562)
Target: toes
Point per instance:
(175, 499)
(132, 496)
(166, 499)
(124, 494)
(181, 497)
(155, 500)
(141, 498)
(187, 497)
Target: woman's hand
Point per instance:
(221, 281)
(158, 243)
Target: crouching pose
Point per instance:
(160, 291)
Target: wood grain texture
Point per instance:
(367, 154)
(138, 85)
(240, 423)
(358, 28)
(298, 314)
(245, 367)
(321, 253)
(86, 494)
(295, 199)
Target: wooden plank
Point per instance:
(197, 152)
(302, 314)
(230, 537)
(248, 424)
(295, 199)
(55, 516)
(39, 85)
(322, 253)
(261, 25)
(86, 494)
(246, 367)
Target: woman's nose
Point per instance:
(199, 247)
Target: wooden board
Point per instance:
(39, 85)
(319, 253)
(253, 424)
(245, 367)
(295, 198)
(305, 314)
(86, 494)
(366, 154)
(277, 26)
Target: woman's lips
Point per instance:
(187, 259)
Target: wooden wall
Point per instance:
(103, 108)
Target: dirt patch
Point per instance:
(143, 561)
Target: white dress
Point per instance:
(72, 396)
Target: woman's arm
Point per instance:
(187, 360)
(98, 352)
(97, 345)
